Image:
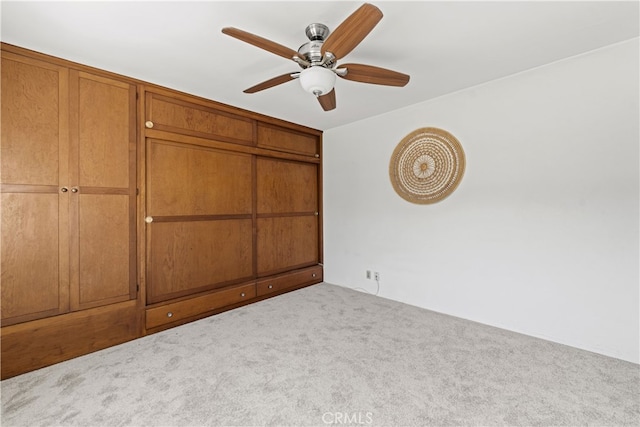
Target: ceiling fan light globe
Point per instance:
(317, 80)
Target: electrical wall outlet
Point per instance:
(376, 275)
(368, 274)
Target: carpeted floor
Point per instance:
(327, 355)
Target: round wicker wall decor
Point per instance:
(427, 165)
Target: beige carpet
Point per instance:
(327, 355)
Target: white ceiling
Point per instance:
(444, 46)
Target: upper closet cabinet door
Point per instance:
(281, 139)
(201, 120)
(34, 159)
(103, 176)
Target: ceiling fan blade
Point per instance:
(352, 31)
(270, 83)
(328, 101)
(375, 75)
(260, 42)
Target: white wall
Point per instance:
(542, 235)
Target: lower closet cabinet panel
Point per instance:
(32, 345)
(195, 256)
(174, 312)
(286, 242)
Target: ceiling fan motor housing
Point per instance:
(311, 52)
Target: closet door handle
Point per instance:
(64, 189)
(74, 190)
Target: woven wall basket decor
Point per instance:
(427, 165)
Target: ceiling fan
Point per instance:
(319, 56)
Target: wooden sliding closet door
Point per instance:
(287, 215)
(199, 223)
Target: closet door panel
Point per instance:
(193, 256)
(284, 186)
(105, 264)
(105, 132)
(34, 121)
(286, 242)
(188, 180)
(30, 256)
(103, 190)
